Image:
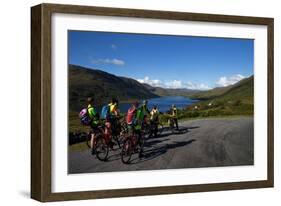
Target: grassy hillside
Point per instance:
(242, 91)
(219, 91)
(209, 94)
(84, 82)
(236, 100)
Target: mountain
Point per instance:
(240, 94)
(237, 99)
(246, 84)
(85, 82)
(241, 91)
(171, 92)
(212, 93)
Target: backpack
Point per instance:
(105, 112)
(84, 117)
(130, 115)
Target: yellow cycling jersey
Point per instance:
(153, 114)
(174, 112)
(112, 108)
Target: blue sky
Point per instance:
(162, 60)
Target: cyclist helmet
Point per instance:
(90, 100)
(114, 100)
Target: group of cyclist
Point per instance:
(135, 118)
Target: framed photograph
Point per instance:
(130, 102)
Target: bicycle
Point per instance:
(101, 143)
(88, 139)
(150, 129)
(171, 123)
(145, 125)
(116, 135)
(133, 143)
(160, 128)
(155, 128)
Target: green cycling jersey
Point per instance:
(93, 115)
(144, 109)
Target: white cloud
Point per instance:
(226, 81)
(174, 84)
(114, 61)
(152, 82)
(117, 62)
(195, 86)
(178, 84)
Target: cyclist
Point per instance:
(113, 115)
(139, 123)
(94, 116)
(174, 115)
(131, 119)
(110, 112)
(144, 108)
(113, 108)
(134, 119)
(144, 112)
(154, 120)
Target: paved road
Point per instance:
(199, 143)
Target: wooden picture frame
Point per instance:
(41, 116)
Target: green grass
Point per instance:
(218, 108)
(82, 146)
(74, 124)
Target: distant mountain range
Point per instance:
(85, 82)
(171, 92)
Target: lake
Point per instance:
(163, 103)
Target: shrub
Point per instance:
(237, 102)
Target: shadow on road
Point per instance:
(167, 131)
(153, 147)
(157, 151)
(194, 127)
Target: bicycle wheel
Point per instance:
(88, 141)
(122, 136)
(153, 131)
(141, 145)
(160, 128)
(127, 150)
(117, 141)
(146, 128)
(101, 148)
(172, 126)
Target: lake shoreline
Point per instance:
(163, 103)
